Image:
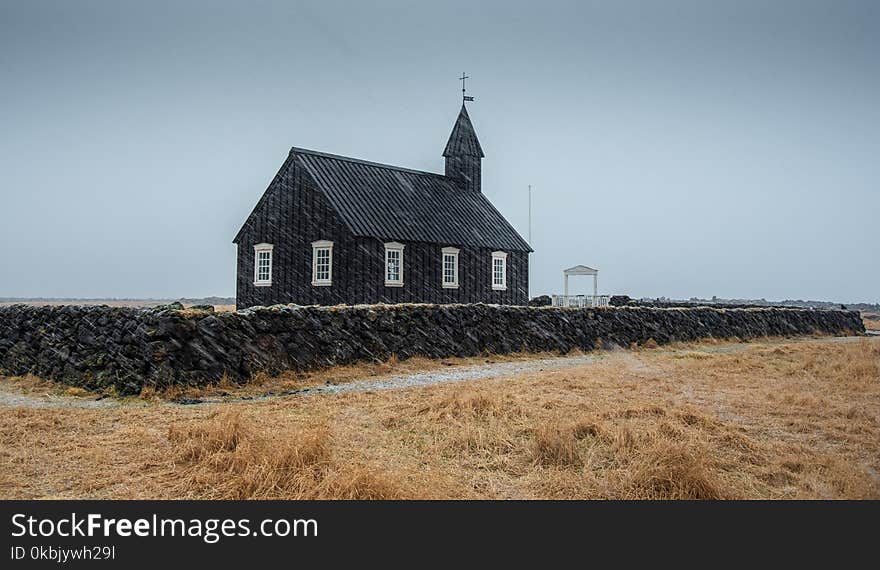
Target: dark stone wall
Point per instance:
(293, 213)
(124, 348)
(626, 301)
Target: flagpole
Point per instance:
(530, 214)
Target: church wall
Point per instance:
(422, 277)
(293, 213)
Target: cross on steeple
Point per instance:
(464, 97)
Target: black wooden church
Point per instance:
(336, 230)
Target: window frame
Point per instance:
(397, 247)
(317, 246)
(258, 249)
(499, 256)
(454, 253)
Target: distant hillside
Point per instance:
(118, 301)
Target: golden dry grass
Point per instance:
(224, 457)
(872, 321)
(772, 420)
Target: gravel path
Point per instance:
(10, 396)
(457, 374)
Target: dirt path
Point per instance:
(442, 376)
(10, 396)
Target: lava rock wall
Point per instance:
(127, 349)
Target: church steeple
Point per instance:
(464, 154)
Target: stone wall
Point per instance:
(626, 301)
(126, 349)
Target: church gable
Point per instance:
(293, 193)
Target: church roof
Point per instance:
(463, 138)
(389, 202)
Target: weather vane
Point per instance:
(464, 97)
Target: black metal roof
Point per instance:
(463, 138)
(389, 202)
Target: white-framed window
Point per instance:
(322, 263)
(450, 267)
(394, 264)
(263, 264)
(499, 270)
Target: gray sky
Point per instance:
(685, 148)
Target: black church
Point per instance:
(336, 230)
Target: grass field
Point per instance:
(770, 419)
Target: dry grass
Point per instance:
(225, 458)
(30, 384)
(772, 420)
(872, 321)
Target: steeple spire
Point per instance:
(464, 154)
(463, 138)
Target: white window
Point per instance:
(263, 264)
(394, 264)
(450, 268)
(322, 263)
(499, 270)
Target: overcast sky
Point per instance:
(686, 148)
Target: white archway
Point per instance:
(594, 300)
(581, 270)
